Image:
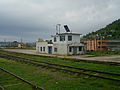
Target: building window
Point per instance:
(62, 38)
(98, 46)
(69, 38)
(55, 39)
(70, 49)
(55, 49)
(80, 48)
(43, 48)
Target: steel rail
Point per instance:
(2, 88)
(60, 69)
(21, 79)
(84, 69)
(73, 59)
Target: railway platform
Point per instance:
(108, 58)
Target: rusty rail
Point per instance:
(21, 79)
(27, 61)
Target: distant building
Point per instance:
(114, 45)
(21, 45)
(63, 43)
(102, 45)
(9, 44)
(4, 44)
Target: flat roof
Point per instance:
(69, 34)
(65, 34)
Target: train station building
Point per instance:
(62, 44)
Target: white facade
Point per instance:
(43, 47)
(64, 44)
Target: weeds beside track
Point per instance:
(74, 70)
(6, 76)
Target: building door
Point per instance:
(50, 50)
(74, 50)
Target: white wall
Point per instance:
(78, 52)
(61, 48)
(42, 44)
(75, 38)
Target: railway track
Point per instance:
(7, 76)
(88, 70)
(2, 88)
(74, 70)
(74, 60)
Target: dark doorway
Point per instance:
(50, 50)
(74, 50)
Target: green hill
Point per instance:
(110, 32)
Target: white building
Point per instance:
(63, 44)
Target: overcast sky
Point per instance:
(33, 19)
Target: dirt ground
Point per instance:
(109, 58)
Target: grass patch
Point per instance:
(54, 80)
(101, 67)
(99, 53)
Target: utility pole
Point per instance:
(21, 40)
(101, 43)
(21, 43)
(4, 40)
(5, 44)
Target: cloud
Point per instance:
(31, 19)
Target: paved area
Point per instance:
(109, 58)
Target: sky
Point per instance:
(33, 19)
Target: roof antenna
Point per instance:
(59, 28)
(56, 29)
